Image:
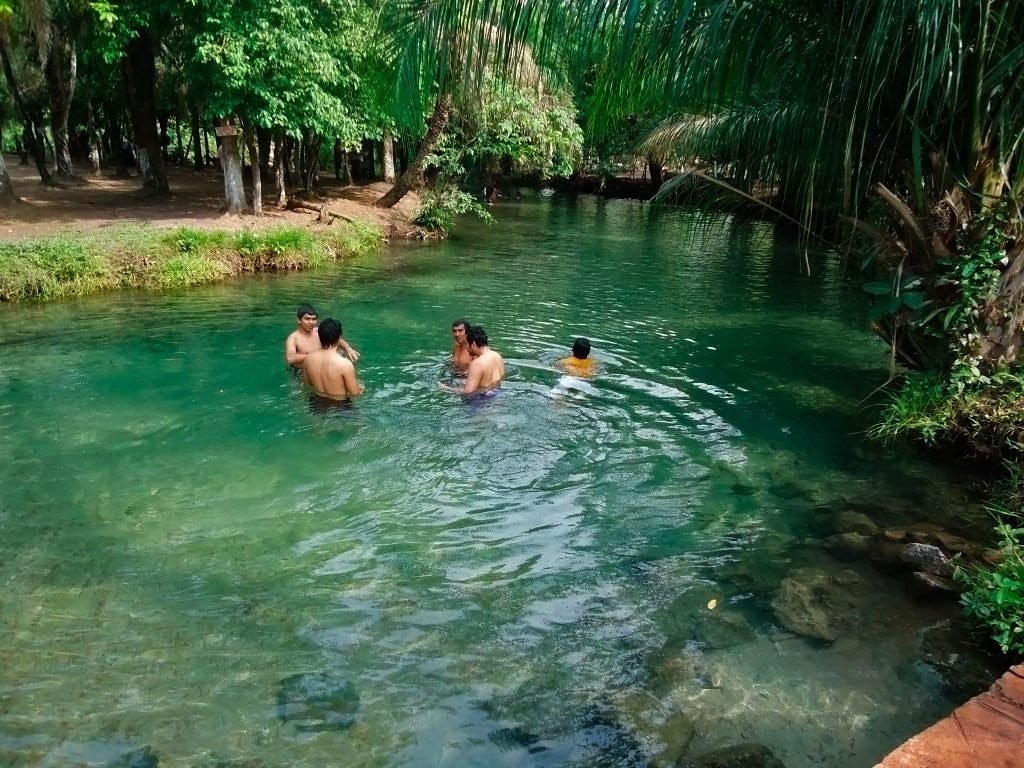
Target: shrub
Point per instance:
(440, 207)
(994, 598)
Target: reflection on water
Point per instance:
(198, 560)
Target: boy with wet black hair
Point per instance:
(327, 372)
(580, 363)
(303, 340)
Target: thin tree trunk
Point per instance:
(206, 143)
(115, 136)
(280, 167)
(199, 161)
(231, 163)
(94, 140)
(389, 158)
(31, 141)
(413, 177)
(139, 68)
(657, 172)
(310, 152)
(371, 163)
(61, 72)
(254, 161)
(263, 137)
(7, 195)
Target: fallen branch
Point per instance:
(294, 204)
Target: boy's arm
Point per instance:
(350, 352)
(352, 385)
(291, 352)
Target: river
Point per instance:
(195, 561)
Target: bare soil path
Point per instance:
(196, 200)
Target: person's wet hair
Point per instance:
(475, 334)
(461, 321)
(581, 348)
(305, 309)
(329, 332)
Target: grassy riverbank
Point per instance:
(72, 263)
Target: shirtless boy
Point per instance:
(304, 340)
(460, 347)
(486, 370)
(330, 374)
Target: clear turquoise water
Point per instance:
(508, 584)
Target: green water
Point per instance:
(517, 583)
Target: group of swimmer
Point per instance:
(316, 349)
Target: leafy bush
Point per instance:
(440, 207)
(985, 417)
(994, 598)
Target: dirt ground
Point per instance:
(196, 200)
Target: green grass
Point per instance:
(134, 257)
(986, 419)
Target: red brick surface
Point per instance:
(986, 732)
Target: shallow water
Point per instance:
(521, 582)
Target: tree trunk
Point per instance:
(255, 162)
(657, 172)
(231, 163)
(413, 177)
(139, 68)
(199, 161)
(389, 158)
(280, 167)
(263, 137)
(311, 142)
(94, 140)
(7, 195)
(61, 71)
(371, 163)
(29, 135)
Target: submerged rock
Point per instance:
(849, 521)
(848, 546)
(317, 701)
(515, 738)
(814, 604)
(738, 756)
(100, 754)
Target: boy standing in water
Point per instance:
(330, 374)
(460, 347)
(580, 363)
(304, 340)
(486, 370)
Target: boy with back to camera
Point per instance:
(580, 363)
(328, 373)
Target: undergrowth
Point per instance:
(134, 257)
(993, 597)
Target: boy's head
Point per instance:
(581, 348)
(329, 332)
(476, 336)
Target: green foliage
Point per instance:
(994, 597)
(943, 304)
(983, 417)
(440, 207)
(75, 264)
(517, 129)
